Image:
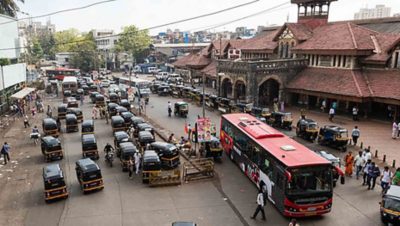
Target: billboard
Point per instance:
(8, 38)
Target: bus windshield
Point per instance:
(308, 180)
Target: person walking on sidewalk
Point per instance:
(355, 134)
(373, 173)
(26, 122)
(5, 152)
(365, 171)
(355, 113)
(349, 161)
(331, 114)
(260, 205)
(385, 179)
(323, 106)
(394, 130)
(358, 163)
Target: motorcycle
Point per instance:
(35, 137)
(110, 158)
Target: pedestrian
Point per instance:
(373, 173)
(169, 109)
(82, 98)
(303, 113)
(355, 113)
(355, 134)
(334, 105)
(130, 167)
(33, 111)
(385, 179)
(171, 138)
(394, 130)
(349, 161)
(331, 114)
(367, 155)
(358, 163)
(293, 222)
(365, 171)
(26, 121)
(106, 116)
(189, 127)
(5, 152)
(49, 111)
(94, 112)
(138, 158)
(260, 205)
(282, 106)
(323, 105)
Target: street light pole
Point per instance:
(204, 102)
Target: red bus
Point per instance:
(297, 180)
(60, 73)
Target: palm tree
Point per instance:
(9, 7)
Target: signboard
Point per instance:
(205, 129)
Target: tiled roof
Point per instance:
(339, 37)
(382, 25)
(384, 83)
(300, 31)
(385, 43)
(261, 42)
(332, 81)
(181, 62)
(211, 69)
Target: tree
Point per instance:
(133, 41)
(9, 7)
(66, 40)
(86, 56)
(47, 42)
(4, 61)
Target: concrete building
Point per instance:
(105, 41)
(380, 11)
(63, 59)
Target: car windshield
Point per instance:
(310, 180)
(392, 204)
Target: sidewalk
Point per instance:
(377, 135)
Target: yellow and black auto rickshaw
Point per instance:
(211, 148)
(62, 111)
(114, 98)
(66, 95)
(151, 167)
(87, 127)
(72, 102)
(77, 112)
(51, 148)
(50, 127)
(112, 109)
(211, 102)
(89, 147)
(168, 153)
(144, 138)
(181, 109)
(281, 120)
(307, 129)
(71, 123)
(89, 175)
(117, 123)
(224, 106)
(54, 183)
(390, 206)
(143, 127)
(333, 136)
(120, 137)
(127, 115)
(93, 97)
(100, 100)
(186, 92)
(127, 152)
(263, 114)
(125, 103)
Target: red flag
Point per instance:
(186, 128)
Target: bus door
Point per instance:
(278, 190)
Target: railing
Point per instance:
(262, 67)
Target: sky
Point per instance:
(147, 13)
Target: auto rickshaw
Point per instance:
(66, 94)
(120, 137)
(154, 86)
(112, 109)
(337, 172)
(93, 96)
(77, 112)
(87, 127)
(224, 106)
(72, 102)
(186, 92)
(71, 122)
(163, 90)
(127, 115)
(262, 113)
(281, 120)
(307, 129)
(114, 98)
(211, 102)
(151, 166)
(79, 93)
(93, 88)
(85, 89)
(54, 183)
(51, 148)
(390, 206)
(333, 136)
(212, 148)
(143, 127)
(89, 147)
(100, 100)
(62, 111)
(145, 96)
(120, 110)
(89, 175)
(135, 121)
(177, 91)
(241, 107)
(50, 127)
(194, 95)
(123, 94)
(117, 123)
(144, 138)
(181, 108)
(168, 153)
(125, 103)
(127, 151)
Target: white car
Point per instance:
(105, 83)
(162, 75)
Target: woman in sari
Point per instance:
(349, 159)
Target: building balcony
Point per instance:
(261, 67)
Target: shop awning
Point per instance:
(23, 93)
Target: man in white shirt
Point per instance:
(355, 135)
(331, 114)
(359, 163)
(260, 207)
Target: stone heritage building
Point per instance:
(352, 63)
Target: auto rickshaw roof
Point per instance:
(213, 96)
(181, 103)
(79, 90)
(127, 114)
(99, 96)
(113, 95)
(137, 120)
(52, 171)
(163, 145)
(281, 113)
(67, 91)
(307, 121)
(145, 135)
(94, 93)
(62, 106)
(51, 141)
(212, 140)
(74, 110)
(117, 118)
(84, 86)
(393, 192)
(121, 109)
(144, 125)
(87, 165)
(112, 105)
(128, 147)
(336, 129)
(87, 123)
(187, 88)
(150, 156)
(88, 139)
(49, 121)
(124, 101)
(71, 99)
(121, 135)
(70, 117)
